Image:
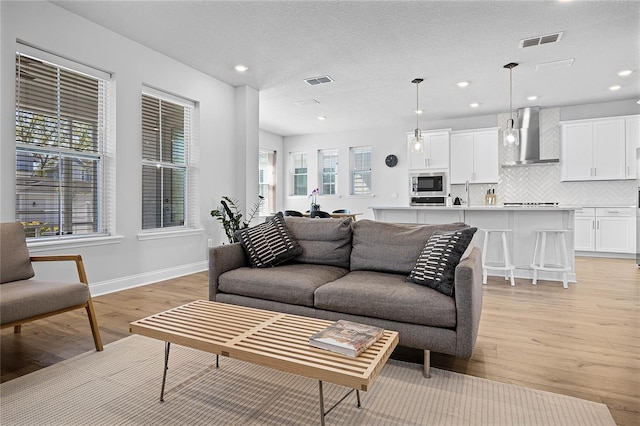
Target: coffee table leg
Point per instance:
(321, 403)
(167, 346)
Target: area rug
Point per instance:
(121, 386)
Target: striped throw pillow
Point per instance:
(269, 243)
(436, 265)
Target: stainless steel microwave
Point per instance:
(428, 184)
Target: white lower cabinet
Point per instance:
(605, 229)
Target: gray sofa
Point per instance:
(358, 271)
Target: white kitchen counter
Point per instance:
(523, 221)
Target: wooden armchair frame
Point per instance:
(82, 275)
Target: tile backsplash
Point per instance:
(541, 183)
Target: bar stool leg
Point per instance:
(484, 257)
(535, 253)
(507, 262)
(565, 259)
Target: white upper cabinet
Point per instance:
(474, 156)
(632, 133)
(436, 151)
(596, 149)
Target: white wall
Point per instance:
(129, 261)
(388, 182)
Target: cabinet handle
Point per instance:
(597, 224)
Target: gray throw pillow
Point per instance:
(269, 243)
(436, 265)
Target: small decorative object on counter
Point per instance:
(449, 202)
(314, 204)
(490, 197)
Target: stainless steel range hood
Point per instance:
(529, 149)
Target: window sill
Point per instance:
(361, 196)
(39, 246)
(158, 235)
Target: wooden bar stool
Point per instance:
(506, 265)
(562, 258)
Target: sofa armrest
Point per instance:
(468, 296)
(222, 259)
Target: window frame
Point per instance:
(190, 216)
(304, 158)
(328, 153)
(101, 214)
(267, 188)
(355, 171)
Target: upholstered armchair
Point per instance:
(23, 299)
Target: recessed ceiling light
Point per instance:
(625, 73)
(463, 84)
(614, 88)
(532, 98)
(638, 101)
(322, 117)
(419, 111)
(474, 105)
(241, 68)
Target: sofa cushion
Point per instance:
(436, 265)
(391, 247)
(325, 242)
(292, 283)
(269, 243)
(387, 296)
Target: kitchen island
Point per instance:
(522, 220)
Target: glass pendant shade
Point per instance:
(417, 142)
(511, 136)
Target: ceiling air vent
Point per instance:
(314, 81)
(539, 40)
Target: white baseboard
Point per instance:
(118, 284)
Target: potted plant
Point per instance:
(228, 213)
(314, 200)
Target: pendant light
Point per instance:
(511, 134)
(417, 142)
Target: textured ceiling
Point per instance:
(374, 49)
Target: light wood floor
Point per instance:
(583, 341)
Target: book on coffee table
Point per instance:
(346, 337)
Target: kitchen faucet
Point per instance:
(466, 190)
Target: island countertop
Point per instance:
(522, 221)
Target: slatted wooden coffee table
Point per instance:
(270, 339)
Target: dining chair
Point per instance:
(346, 211)
(292, 213)
(319, 214)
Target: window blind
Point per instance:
(299, 160)
(329, 172)
(60, 126)
(166, 130)
(361, 172)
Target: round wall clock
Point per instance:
(391, 160)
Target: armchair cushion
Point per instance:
(15, 263)
(30, 298)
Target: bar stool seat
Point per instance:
(562, 259)
(506, 264)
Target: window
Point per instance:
(166, 136)
(267, 181)
(328, 171)
(361, 171)
(61, 143)
(299, 161)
